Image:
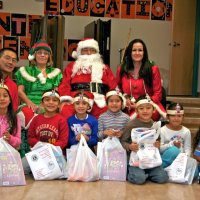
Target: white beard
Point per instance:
(89, 64)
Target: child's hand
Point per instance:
(85, 136)
(6, 136)
(118, 133)
(109, 132)
(134, 146)
(177, 144)
(78, 137)
(157, 144)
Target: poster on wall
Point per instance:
(24, 47)
(32, 19)
(128, 9)
(158, 10)
(97, 8)
(11, 42)
(169, 6)
(72, 44)
(5, 24)
(66, 7)
(143, 9)
(51, 7)
(82, 8)
(18, 24)
(112, 8)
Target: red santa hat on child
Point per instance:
(148, 100)
(85, 43)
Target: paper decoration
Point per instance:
(128, 9)
(24, 47)
(67, 7)
(97, 8)
(169, 7)
(143, 9)
(5, 24)
(18, 24)
(158, 10)
(72, 44)
(82, 7)
(112, 8)
(51, 7)
(11, 42)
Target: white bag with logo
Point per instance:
(182, 169)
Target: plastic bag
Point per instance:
(82, 165)
(182, 169)
(112, 159)
(148, 156)
(11, 170)
(43, 163)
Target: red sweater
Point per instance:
(53, 130)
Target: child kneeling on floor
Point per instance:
(144, 109)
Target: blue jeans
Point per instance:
(139, 176)
(169, 155)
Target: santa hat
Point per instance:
(117, 93)
(84, 96)
(85, 43)
(148, 100)
(40, 44)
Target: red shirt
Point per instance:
(12, 86)
(53, 130)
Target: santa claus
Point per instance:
(89, 74)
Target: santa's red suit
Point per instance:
(88, 74)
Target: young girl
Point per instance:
(10, 128)
(196, 145)
(50, 126)
(82, 123)
(175, 138)
(112, 122)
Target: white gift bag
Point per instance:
(182, 169)
(43, 163)
(147, 156)
(84, 165)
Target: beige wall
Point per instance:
(156, 34)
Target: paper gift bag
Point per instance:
(43, 163)
(11, 170)
(112, 160)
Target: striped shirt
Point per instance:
(111, 120)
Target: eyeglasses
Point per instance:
(8, 58)
(88, 50)
(42, 52)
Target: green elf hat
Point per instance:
(40, 44)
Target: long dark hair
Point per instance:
(127, 64)
(11, 116)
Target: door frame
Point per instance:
(196, 51)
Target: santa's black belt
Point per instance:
(92, 87)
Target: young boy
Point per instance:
(50, 126)
(82, 122)
(144, 109)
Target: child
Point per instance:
(10, 128)
(136, 175)
(112, 122)
(196, 145)
(82, 123)
(50, 126)
(175, 138)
